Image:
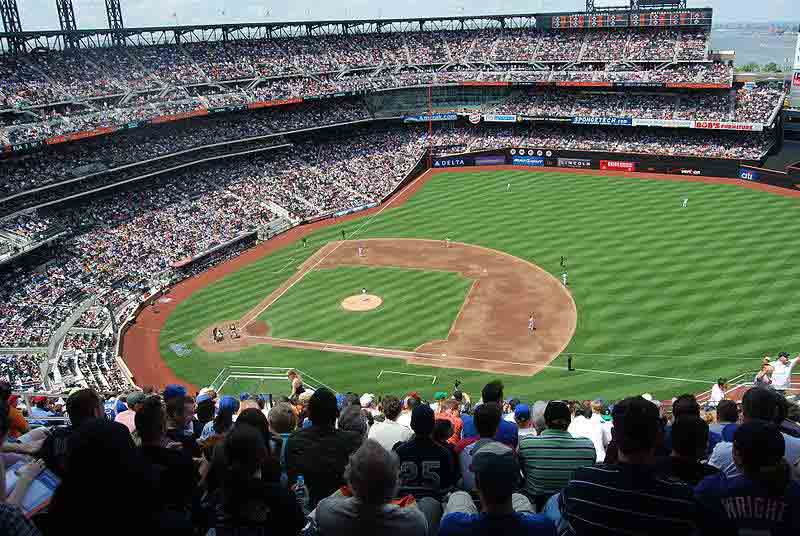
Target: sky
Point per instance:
(41, 14)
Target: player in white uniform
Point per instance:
(364, 294)
(564, 278)
(508, 186)
(685, 202)
(447, 242)
(531, 324)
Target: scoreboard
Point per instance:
(630, 19)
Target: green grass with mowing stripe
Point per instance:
(685, 294)
(418, 306)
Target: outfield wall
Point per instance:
(628, 162)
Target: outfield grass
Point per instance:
(666, 294)
(418, 306)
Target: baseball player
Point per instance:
(364, 294)
(564, 278)
(508, 187)
(685, 202)
(531, 324)
(343, 234)
(305, 241)
(563, 261)
(360, 251)
(447, 242)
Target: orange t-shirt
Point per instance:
(17, 423)
(457, 423)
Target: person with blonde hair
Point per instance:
(297, 384)
(764, 376)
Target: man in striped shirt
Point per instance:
(549, 459)
(630, 497)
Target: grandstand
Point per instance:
(185, 212)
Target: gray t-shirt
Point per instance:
(346, 516)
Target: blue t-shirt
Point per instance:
(518, 524)
(739, 503)
(507, 433)
(713, 439)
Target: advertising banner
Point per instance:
(354, 210)
(269, 104)
(686, 85)
(177, 117)
(614, 165)
(638, 84)
(749, 174)
(690, 171)
(584, 84)
(474, 118)
(492, 160)
(599, 120)
(500, 118)
(424, 118)
(483, 83)
(532, 161)
(666, 123)
(451, 162)
(574, 162)
(540, 119)
(729, 125)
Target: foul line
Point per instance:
(367, 221)
(405, 354)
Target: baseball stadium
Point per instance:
(583, 206)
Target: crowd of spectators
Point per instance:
(21, 370)
(319, 462)
(87, 360)
(60, 163)
(50, 76)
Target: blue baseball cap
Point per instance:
(522, 412)
(229, 403)
(173, 390)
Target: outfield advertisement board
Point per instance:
(500, 118)
(455, 161)
(531, 161)
(574, 162)
(599, 120)
(490, 160)
(424, 118)
(615, 165)
(748, 174)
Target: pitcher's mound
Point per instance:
(361, 302)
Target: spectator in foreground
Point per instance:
(686, 406)
(409, 403)
(507, 432)
(365, 506)
(689, 440)
(39, 412)
(101, 452)
(352, 420)
(549, 459)
(761, 403)
(504, 512)
(205, 410)
(487, 420)
(175, 465)
(727, 418)
(12, 521)
(246, 503)
(426, 468)
(320, 452)
(522, 416)
(177, 420)
(763, 499)
(389, 432)
(228, 406)
(82, 406)
(282, 421)
(134, 402)
(717, 392)
(629, 497)
(17, 425)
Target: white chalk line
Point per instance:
(388, 352)
(355, 233)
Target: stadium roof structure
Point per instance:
(158, 35)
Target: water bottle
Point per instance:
(300, 492)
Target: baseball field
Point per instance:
(661, 299)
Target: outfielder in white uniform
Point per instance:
(685, 202)
(564, 278)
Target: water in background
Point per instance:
(758, 46)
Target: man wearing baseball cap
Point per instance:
(134, 402)
(496, 471)
(782, 376)
(522, 416)
(549, 459)
(763, 499)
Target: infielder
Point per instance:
(508, 187)
(447, 242)
(364, 294)
(564, 278)
(360, 251)
(531, 324)
(685, 202)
